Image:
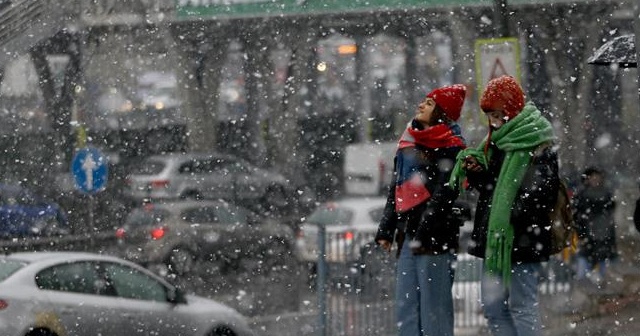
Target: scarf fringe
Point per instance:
(498, 253)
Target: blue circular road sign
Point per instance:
(90, 170)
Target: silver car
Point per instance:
(73, 293)
(206, 176)
(350, 224)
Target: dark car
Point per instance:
(24, 214)
(215, 242)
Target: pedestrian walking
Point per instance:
(418, 215)
(515, 171)
(636, 213)
(594, 207)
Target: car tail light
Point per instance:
(331, 206)
(120, 233)
(158, 233)
(348, 235)
(382, 168)
(3, 304)
(159, 184)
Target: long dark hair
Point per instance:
(439, 117)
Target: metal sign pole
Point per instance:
(91, 213)
(321, 279)
(636, 20)
(89, 168)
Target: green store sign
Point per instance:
(265, 8)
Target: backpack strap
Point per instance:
(541, 147)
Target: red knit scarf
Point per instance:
(438, 136)
(411, 189)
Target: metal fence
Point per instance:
(356, 291)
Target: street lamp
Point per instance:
(501, 17)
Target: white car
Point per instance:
(466, 294)
(350, 224)
(76, 293)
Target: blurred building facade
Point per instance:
(265, 86)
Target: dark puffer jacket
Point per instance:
(530, 211)
(430, 222)
(594, 210)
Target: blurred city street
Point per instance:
(243, 153)
(584, 310)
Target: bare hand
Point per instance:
(385, 244)
(472, 164)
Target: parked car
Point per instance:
(207, 176)
(350, 227)
(25, 214)
(213, 241)
(73, 293)
(350, 223)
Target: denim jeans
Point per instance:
(513, 311)
(424, 303)
(584, 267)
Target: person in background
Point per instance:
(515, 171)
(636, 212)
(594, 207)
(418, 215)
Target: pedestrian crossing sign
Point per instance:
(496, 57)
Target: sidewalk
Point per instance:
(609, 309)
(586, 310)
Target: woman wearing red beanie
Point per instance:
(515, 171)
(417, 215)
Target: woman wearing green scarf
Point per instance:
(515, 171)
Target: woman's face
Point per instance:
(424, 111)
(497, 118)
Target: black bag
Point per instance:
(563, 231)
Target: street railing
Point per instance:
(358, 289)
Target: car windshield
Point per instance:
(146, 217)
(8, 267)
(149, 167)
(331, 214)
(376, 214)
(215, 214)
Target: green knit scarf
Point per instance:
(518, 138)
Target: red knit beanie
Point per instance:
(503, 93)
(450, 99)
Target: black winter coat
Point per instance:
(530, 210)
(432, 222)
(636, 215)
(593, 212)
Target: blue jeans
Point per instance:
(584, 267)
(513, 310)
(424, 303)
